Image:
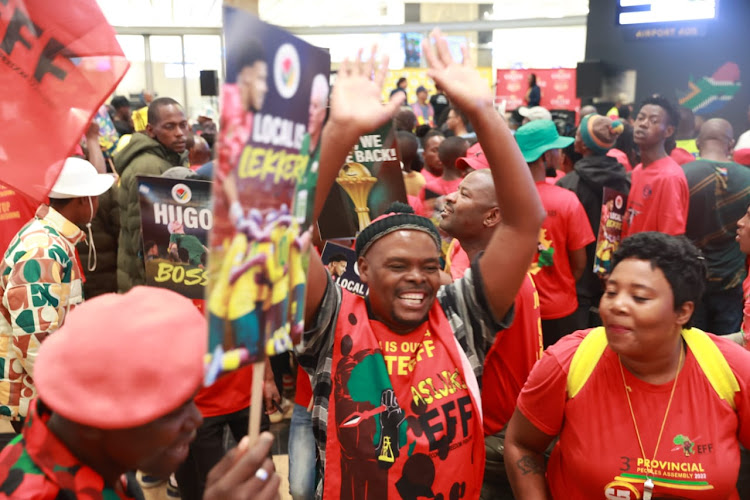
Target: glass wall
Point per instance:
(170, 66)
(134, 81)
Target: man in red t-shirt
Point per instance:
(433, 167)
(659, 195)
(470, 216)
(561, 253)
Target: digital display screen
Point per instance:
(664, 11)
(412, 43)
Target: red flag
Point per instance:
(58, 62)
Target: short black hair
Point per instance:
(673, 116)
(405, 120)
(676, 256)
(460, 114)
(120, 102)
(429, 135)
(156, 105)
(532, 76)
(244, 52)
(400, 81)
(337, 257)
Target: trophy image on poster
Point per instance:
(357, 181)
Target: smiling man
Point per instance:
(111, 413)
(659, 195)
(161, 147)
(396, 405)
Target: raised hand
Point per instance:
(356, 103)
(460, 80)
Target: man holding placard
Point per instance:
(384, 428)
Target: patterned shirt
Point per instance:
(40, 283)
(719, 196)
(37, 466)
(465, 306)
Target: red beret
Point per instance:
(121, 361)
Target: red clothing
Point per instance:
(681, 156)
(621, 158)
(428, 176)
(456, 260)
(40, 467)
(416, 204)
(230, 393)
(598, 450)
(510, 359)
(19, 210)
(746, 310)
(566, 228)
(559, 174)
(659, 199)
(303, 395)
(439, 186)
(742, 156)
(402, 406)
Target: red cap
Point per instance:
(121, 361)
(474, 159)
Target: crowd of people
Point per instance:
(490, 359)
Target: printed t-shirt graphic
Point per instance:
(566, 228)
(698, 457)
(401, 408)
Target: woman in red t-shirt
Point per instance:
(644, 420)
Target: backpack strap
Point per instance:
(713, 363)
(585, 359)
(710, 359)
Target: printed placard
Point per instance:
(341, 263)
(610, 229)
(176, 219)
(367, 184)
(268, 144)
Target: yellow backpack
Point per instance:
(709, 357)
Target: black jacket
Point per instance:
(588, 179)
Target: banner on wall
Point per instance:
(558, 87)
(176, 218)
(416, 77)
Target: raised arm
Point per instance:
(509, 253)
(356, 109)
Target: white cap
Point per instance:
(535, 113)
(79, 178)
(743, 142)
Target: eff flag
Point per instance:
(58, 62)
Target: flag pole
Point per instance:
(256, 401)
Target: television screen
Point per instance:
(412, 43)
(664, 11)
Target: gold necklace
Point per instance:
(648, 485)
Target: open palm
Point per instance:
(356, 103)
(460, 80)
